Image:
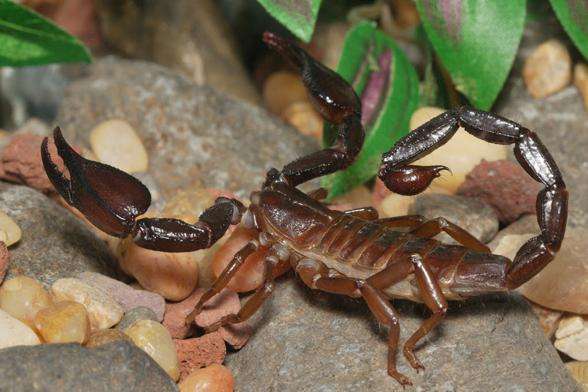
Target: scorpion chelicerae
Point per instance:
(352, 253)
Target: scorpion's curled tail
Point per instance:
(552, 201)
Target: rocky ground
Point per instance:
(197, 138)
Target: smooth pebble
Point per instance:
(548, 69)
(155, 340)
(63, 322)
(22, 297)
(15, 333)
(104, 311)
(116, 143)
(10, 232)
(214, 378)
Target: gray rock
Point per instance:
(138, 313)
(309, 341)
(54, 244)
(195, 135)
(119, 366)
(473, 215)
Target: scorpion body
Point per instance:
(353, 253)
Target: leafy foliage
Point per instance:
(298, 16)
(389, 97)
(477, 42)
(27, 38)
(573, 15)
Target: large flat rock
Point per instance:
(309, 341)
(114, 367)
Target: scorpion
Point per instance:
(353, 253)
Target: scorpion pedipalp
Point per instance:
(112, 200)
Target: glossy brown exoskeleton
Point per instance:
(352, 253)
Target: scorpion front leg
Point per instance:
(112, 200)
(336, 101)
(552, 202)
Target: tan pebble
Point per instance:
(22, 297)
(63, 322)
(460, 154)
(281, 89)
(116, 143)
(104, 336)
(581, 81)
(548, 69)
(10, 232)
(303, 117)
(579, 371)
(509, 245)
(172, 275)
(15, 333)
(569, 326)
(103, 311)
(575, 346)
(214, 378)
(156, 341)
(572, 337)
(358, 197)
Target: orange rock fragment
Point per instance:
(199, 352)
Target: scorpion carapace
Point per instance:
(352, 253)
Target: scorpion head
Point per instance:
(285, 212)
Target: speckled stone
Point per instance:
(192, 133)
(332, 343)
(54, 243)
(114, 367)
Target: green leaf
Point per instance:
(476, 40)
(365, 51)
(26, 38)
(573, 15)
(298, 16)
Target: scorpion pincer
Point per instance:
(352, 253)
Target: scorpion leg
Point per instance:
(224, 278)
(257, 299)
(386, 314)
(365, 213)
(336, 101)
(435, 226)
(552, 201)
(409, 221)
(112, 200)
(434, 299)
(316, 276)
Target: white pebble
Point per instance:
(104, 311)
(116, 143)
(15, 333)
(10, 232)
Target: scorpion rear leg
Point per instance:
(434, 299)
(435, 226)
(422, 227)
(552, 201)
(316, 276)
